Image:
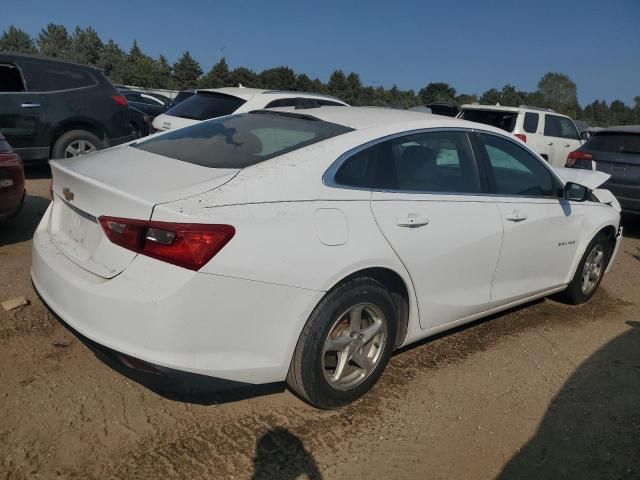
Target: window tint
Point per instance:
(282, 102)
(243, 140)
(614, 142)
(561, 127)
(530, 124)
(206, 105)
(292, 102)
(425, 162)
(10, 79)
(60, 77)
(499, 119)
(516, 171)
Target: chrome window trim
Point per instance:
(328, 178)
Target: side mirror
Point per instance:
(576, 192)
(584, 135)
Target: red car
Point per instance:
(12, 190)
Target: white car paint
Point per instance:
(297, 236)
(255, 99)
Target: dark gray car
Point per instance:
(615, 151)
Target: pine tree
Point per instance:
(16, 40)
(186, 72)
(54, 41)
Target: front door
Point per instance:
(541, 230)
(21, 112)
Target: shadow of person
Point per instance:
(592, 427)
(281, 455)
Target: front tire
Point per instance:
(345, 345)
(75, 143)
(589, 273)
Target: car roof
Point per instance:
(621, 129)
(12, 56)
(360, 118)
(504, 108)
(246, 93)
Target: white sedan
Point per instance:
(206, 104)
(307, 245)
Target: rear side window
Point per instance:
(530, 123)
(204, 106)
(10, 79)
(52, 78)
(427, 162)
(615, 142)
(561, 127)
(242, 140)
(499, 119)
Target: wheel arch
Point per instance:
(609, 231)
(401, 293)
(76, 124)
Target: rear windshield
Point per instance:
(203, 106)
(615, 142)
(495, 118)
(242, 140)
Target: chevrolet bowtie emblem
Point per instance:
(68, 194)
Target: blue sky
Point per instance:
(471, 44)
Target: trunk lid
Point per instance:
(119, 182)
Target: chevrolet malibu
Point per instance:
(307, 245)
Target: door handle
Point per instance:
(550, 143)
(567, 145)
(30, 105)
(515, 216)
(412, 221)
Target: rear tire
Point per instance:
(589, 273)
(75, 143)
(345, 345)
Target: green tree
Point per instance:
(490, 97)
(338, 85)
(437, 92)
(465, 98)
(86, 46)
(217, 77)
(281, 78)
(510, 96)
(559, 92)
(54, 41)
(186, 72)
(16, 40)
(243, 76)
(163, 73)
(112, 60)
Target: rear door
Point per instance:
(562, 137)
(541, 230)
(22, 113)
(428, 204)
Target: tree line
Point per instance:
(84, 45)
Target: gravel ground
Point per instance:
(545, 391)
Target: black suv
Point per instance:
(55, 109)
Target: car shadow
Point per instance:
(37, 171)
(592, 426)
(631, 225)
(21, 227)
(282, 455)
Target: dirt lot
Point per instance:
(546, 391)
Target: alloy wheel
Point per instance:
(592, 269)
(79, 147)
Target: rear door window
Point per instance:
(10, 78)
(206, 105)
(240, 141)
(530, 123)
(496, 118)
(52, 78)
(426, 162)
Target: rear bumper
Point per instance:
(223, 327)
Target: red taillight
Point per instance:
(521, 136)
(188, 245)
(577, 155)
(120, 99)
